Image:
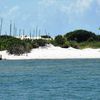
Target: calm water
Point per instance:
(50, 80)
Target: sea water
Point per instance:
(50, 79)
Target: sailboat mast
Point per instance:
(1, 26)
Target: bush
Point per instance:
(90, 39)
(98, 37)
(16, 49)
(40, 42)
(66, 45)
(70, 44)
(59, 40)
(15, 45)
(93, 44)
(74, 45)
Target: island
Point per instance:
(75, 44)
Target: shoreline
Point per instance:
(52, 52)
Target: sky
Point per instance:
(51, 16)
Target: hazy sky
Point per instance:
(56, 16)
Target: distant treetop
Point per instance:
(80, 35)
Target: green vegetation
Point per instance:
(40, 42)
(17, 46)
(46, 36)
(59, 40)
(80, 36)
(93, 44)
(76, 39)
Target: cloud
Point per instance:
(47, 2)
(98, 2)
(70, 9)
(97, 8)
(13, 10)
(26, 17)
(77, 7)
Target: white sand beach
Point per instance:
(52, 52)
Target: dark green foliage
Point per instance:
(76, 39)
(59, 40)
(80, 36)
(52, 41)
(70, 44)
(98, 37)
(65, 45)
(46, 36)
(31, 43)
(16, 49)
(40, 42)
(93, 44)
(90, 39)
(74, 45)
(34, 44)
(15, 45)
(5, 42)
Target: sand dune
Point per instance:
(52, 52)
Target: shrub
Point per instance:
(59, 40)
(16, 49)
(40, 42)
(66, 45)
(14, 45)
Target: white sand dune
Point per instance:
(52, 52)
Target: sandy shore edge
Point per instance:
(52, 52)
